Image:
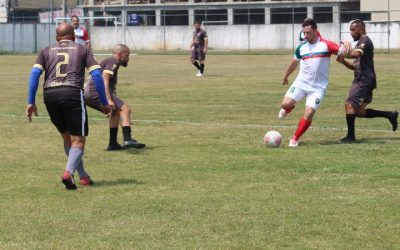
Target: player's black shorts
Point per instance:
(198, 53)
(66, 107)
(359, 93)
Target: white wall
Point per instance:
(29, 38)
(234, 37)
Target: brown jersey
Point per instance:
(364, 70)
(199, 37)
(110, 66)
(64, 64)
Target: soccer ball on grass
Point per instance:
(272, 139)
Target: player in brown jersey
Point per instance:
(360, 93)
(121, 113)
(198, 47)
(64, 64)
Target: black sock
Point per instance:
(350, 119)
(113, 136)
(196, 64)
(202, 68)
(126, 131)
(372, 113)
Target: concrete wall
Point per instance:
(234, 37)
(28, 38)
(383, 5)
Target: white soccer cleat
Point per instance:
(199, 73)
(282, 114)
(293, 143)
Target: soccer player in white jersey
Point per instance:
(312, 81)
(81, 34)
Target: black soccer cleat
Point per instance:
(68, 180)
(133, 144)
(393, 120)
(348, 140)
(112, 147)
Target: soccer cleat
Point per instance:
(68, 180)
(199, 73)
(282, 114)
(348, 140)
(293, 142)
(86, 181)
(393, 120)
(133, 144)
(112, 147)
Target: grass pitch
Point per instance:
(205, 180)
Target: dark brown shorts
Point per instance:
(92, 100)
(359, 93)
(198, 53)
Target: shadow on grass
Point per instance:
(118, 182)
(135, 151)
(374, 140)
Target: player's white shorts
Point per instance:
(314, 96)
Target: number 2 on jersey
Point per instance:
(58, 66)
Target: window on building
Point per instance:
(209, 1)
(323, 14)
(288, 15)
(136, 18)
(174, 17)
(107, 21)
(351, 11)
(249, 16)
(212, 17)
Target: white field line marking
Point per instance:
(100, 54)
(227, 125)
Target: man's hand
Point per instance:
(346, 48)
(107, 109)
(111, 104)
(340, 59)
(30, 109)
(205, 50)
(285, 81)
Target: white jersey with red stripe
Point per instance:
(314, 62)
(81, 36)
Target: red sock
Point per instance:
(302, 127)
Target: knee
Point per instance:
(349, 108)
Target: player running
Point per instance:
(121, 113)
(198, 46)
(364, 83)
(64, 64)
(312, 81)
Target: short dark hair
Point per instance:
(74, 16)
(309, 22)
(197, 22)
(358, 22)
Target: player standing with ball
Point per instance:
(360, 93)
(312, 81)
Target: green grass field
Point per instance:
(205, 181)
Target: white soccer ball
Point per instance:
(272, 139)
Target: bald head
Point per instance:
(121, 53)
(120, 48)
(65, 31)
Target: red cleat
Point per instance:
(86, 181)
(68, 180)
